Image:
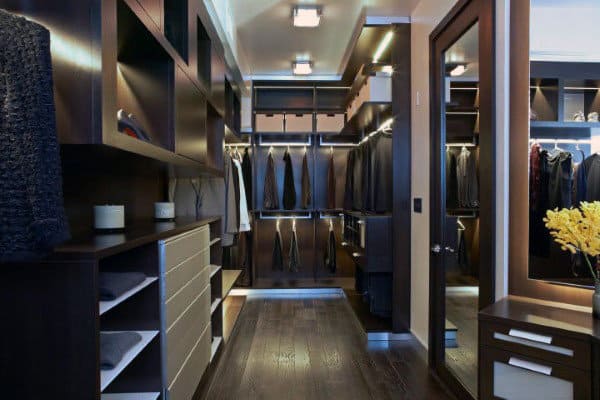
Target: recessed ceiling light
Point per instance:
(383, 45)
(307, 16)
(458, 71)
(302, 67)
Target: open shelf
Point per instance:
(230, 276)
(367, 116)
(108, 305)
(176, 27)
(107, 376)
(204, 68)
(215, 305)
(130, 396)
(214, 347)
(144, 78)
(214, 269)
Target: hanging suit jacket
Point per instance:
(330, 253)
(289, 187)
(277, 259)
(451, 180)
(271, 192)
(349, 186)
(247, 173)
(306, 190)
(331, 184)
(31, 200)
(468, 187)
(294, 253)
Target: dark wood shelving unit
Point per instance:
(368, 117)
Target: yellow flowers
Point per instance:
(577, 229)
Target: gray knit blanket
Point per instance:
(32, 215)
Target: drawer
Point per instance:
(181, 247)
(376, 89)
(180, 275)
(505, 375)
(186, 381)
(299, 123)
(269, 123)
(330, 122)
(539, 343)
(181, 300)
(184, 333)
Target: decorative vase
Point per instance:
(596, 300)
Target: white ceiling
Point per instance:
(265, 42)
(565, 30)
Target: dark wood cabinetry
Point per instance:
(531, 350)
(159, 60)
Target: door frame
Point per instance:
(462, 17)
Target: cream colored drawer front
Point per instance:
(181, 300)
(187, 380)
(269, 123)
(330, 122)
(179, 276)
(298, 123)
(184, 246)
(185, 332)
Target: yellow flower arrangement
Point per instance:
(577, 230)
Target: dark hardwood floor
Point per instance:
(312, 347)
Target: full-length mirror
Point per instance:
(564, 164)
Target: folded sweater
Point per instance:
(113, 347)
(114, 284)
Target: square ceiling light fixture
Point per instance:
(302, 67)
(306, 16)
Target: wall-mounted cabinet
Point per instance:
(159, 61)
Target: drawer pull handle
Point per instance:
(530, 336)
(530, 366)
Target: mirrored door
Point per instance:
(462, 215)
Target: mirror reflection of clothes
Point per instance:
(330, 255)
(461, 252)
(289, 188)
(271, 192)
(451, 180)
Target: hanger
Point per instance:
(271, 150)
(294, 225)
(277, 225)
(331, 149)
(461, 226)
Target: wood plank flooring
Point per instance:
(288, 347)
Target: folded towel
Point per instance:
(114, 284)
(114, 345)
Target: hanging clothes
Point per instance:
(289, 187)
(230, 219)
(451, 180)
(357, 180)
(277, 259)
(236, 186)
(247, 173)
(331, 183)
(349, 186)
(468, 187)
(539, 236)
(244, 225)
(534, 175)
(592, 168)
(330, 259)
(294, 265)
(245, 259)
(271, 192)
(306, 190)
(560, 183)
(379, 179)
(31, 196)
(461, 251)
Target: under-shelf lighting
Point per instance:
(383, 46)
(302, 67)
(458, 71)
(306, 16)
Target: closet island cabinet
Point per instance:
(170, 310)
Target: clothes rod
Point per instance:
(461, 145)
(234, 145)
(564, 141)
(330, 216)
(278, 217)
(335, 144)
(284, 144)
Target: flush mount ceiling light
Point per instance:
(302, 67)
(306, 16)
(459, 70)
(382, 46)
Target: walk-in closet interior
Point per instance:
(181, 186)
